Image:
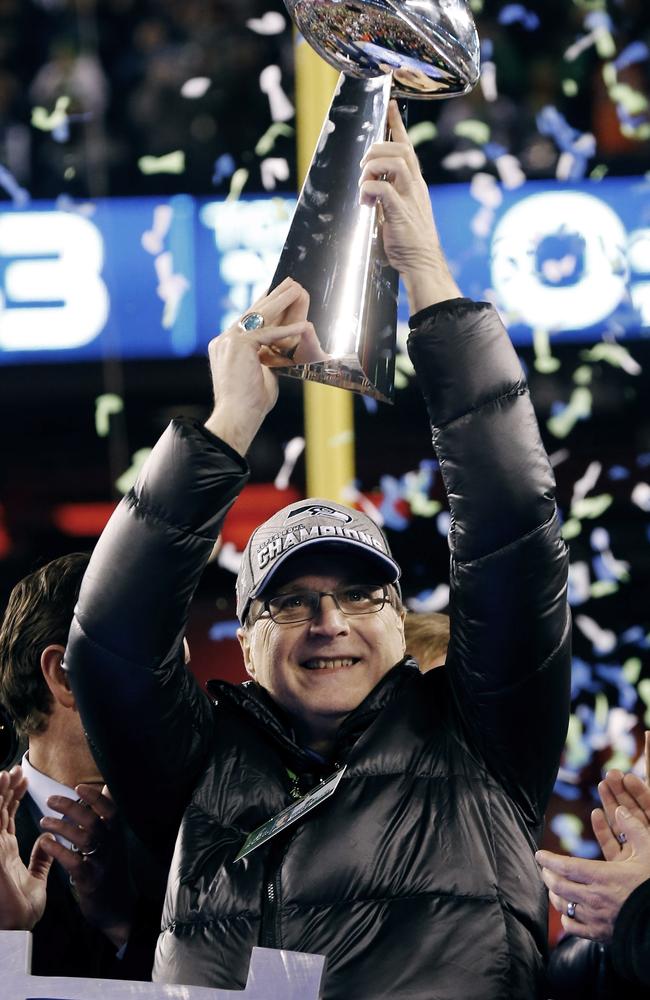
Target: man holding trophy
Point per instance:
(341, 802)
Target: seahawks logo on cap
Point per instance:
(320, 510)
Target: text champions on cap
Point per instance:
(283, 541)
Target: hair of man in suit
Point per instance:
(427, 638)
(37, 618)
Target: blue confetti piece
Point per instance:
(618, 472)
(516, 13)
(602, 571)
(370, 404)
(494, 150)
(392, 494)
(633, 53)
(18, 195)
(223, 630)
(487, 50)
(224, 167)
(643, 460)
(443, 522)
(582, 678)
(635, 636)
(613, 674)
(566, 791)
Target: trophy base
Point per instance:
(342, 373)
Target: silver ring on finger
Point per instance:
(571, 910)
(622, 839)
(251, 321)
(88, 854)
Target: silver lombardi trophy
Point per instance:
(384, 48)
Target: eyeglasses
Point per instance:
(304, 605)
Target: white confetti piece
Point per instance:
(640, 496)
(196, 87)
(292, 452)
(271, 84)
(271, 23)
(152, 240)
(602, 640)
(272, 170)
(586, 482)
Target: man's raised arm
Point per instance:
(509, 653)
(147, 721)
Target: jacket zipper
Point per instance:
(270, 935)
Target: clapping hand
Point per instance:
(22, 889)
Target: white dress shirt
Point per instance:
(40, 786)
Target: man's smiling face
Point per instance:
(318, 671)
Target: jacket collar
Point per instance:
(256, 703)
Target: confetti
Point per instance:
(640, 496)
(564, 420)
(152, 240)
(592, 507)
(223, 630)
(272, 170)
(224, 167)
(127, 480)
(271, 23)
(266, 143)
(8, 182)
(430, 600)
(633, 53)
(544, 360)
(516, 13)
(105, 406)
(196, 87)
(271, 84)
(471, 128)
(586, 482)
(603, 640)
(171, 288)
(613, 354)
(474, 159)
(237, 184)
(422, 132)
(170, 163)
(47, 122)
(293, 449)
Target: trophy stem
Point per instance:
(334, 249)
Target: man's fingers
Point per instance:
(102, 805)
(287, 294)
(80, 870)
(637, 789)
(575, 869)
(609, 844)
(40, 860)
(566, 888)
(83, 839)
(396, 124)
(80, 813)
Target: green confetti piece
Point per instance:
(641, 132)
(473, 129)
(601, 711)
(619, 760)
(575, 751)
(571, 529)
(599, 171)
(422, 506)
(545, 363)
(106, 405)
(583, 375)
(603, 588)
(477, 6)
(422, 132)
(339, 440)
(610, 75)
(46, 121)
(579, 407)
(266, 143)
(128, 478)
(170, 163)
(605, 45)
(632, 669)
(570, 87)
(634, 102)
(643, 688)
(613, 354)
(590, 508)
(237, 184)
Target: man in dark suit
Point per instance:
(66, 871)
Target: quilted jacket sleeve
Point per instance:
(147, 721)
(509, 654)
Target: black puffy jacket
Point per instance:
(417, 878)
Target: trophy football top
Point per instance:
(430, 46)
